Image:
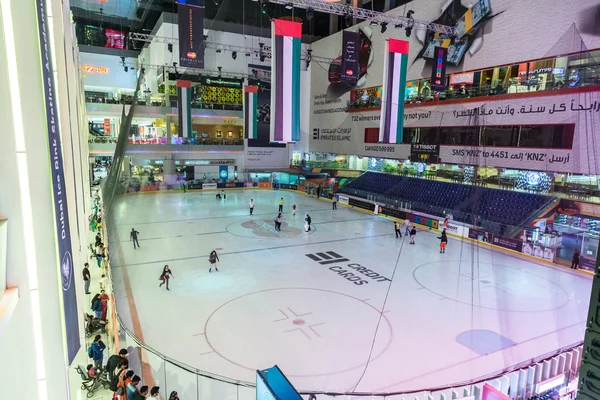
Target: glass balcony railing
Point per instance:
(175, 140)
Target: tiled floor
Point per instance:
(345, 307)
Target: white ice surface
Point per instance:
(271, 304)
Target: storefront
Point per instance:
(579, 226)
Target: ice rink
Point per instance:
(347, 307)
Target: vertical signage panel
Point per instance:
(350, 62)
(190, 21)
(59, 191)
(438, 69)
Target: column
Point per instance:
(168, 127)
(169, 172)
(27, 162)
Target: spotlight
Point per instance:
(310, 14)
(384, 27)
(348, 20)
(170, 47)
(234, 55)
(373, 23)
(289, 6)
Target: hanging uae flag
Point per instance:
(184, 107)
(285, 81)
(250, 112)
(394, 87)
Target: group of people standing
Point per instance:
(411, 231)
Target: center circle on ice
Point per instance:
(261, 228)
(491, 286)
(336, 332)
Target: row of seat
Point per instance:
(494, 208)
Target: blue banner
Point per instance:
(223, 172)
(59, 190)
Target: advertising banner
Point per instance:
(452, 228)
(481, 236)
(350, 62)
(209, 186)
(190, 20)
(223, 172)
(266, 157)
(466, 78)
(425, 153)
(438, 69)
(343, 199)
(107, 126)
(59, 192)
(507, 243)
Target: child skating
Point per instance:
(293, 210)
(413, 232)
(213, 258)
(443, 241)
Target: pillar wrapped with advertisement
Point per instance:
(250, 112)
(190, 20)
(285, 81)
(184, 107)
(394, 87)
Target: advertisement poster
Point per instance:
(350, 63)
(190, 19)
(438, 73)
(260, 76)
(59, 193)
(107, 126)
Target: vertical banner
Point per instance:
(285, 81)
(190, 20)
(250, 112)
(184, 107)
(223, 172)
(350, 62)
(59, 192)
(107, 126)
(438, 69)
(394, 91)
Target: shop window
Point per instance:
(507, 136)
(547, 136)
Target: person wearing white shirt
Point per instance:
(251, 205)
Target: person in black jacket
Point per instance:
(165, 276)
(413, 232)
(443, 241)
(308, 220)
(133, 236)
(115, 360)
(575, 260)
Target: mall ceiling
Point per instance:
(141, 15)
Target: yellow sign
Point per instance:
(94, 70)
